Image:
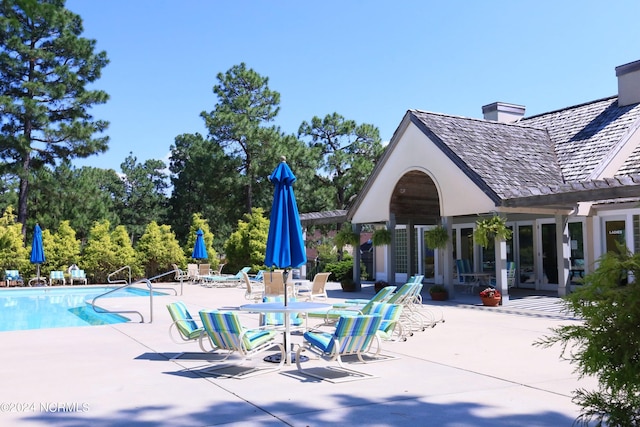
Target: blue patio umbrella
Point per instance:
(199, 248)
(285, 246)
(37, 249)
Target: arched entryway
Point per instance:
(414, 207)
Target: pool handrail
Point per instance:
(172, 272)
(126, 267)
(151, 289)
(103, 311)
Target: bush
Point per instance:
(606, 344)
(340, 270)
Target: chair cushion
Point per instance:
(256, 337)
(184, 322)
(321, 340)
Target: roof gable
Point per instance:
(495, 155)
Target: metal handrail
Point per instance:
(167, 274)
(151, 290)
(102, 311)
(118, 271)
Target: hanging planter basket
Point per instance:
(437, 237)
(381, 237)
(489, 229)
(346, 236)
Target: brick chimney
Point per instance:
(503, 112)
(628, 83)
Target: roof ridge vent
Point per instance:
(628, 83)
(503, 112)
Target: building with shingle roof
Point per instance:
(567, 182)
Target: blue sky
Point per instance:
(369, 61)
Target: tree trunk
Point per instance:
(24, 191)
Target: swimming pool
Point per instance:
(46, 307)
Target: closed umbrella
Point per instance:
(37, 250)
(199, 248)
(285, 246)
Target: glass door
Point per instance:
(525, 263)
(615, 239)
(428, 256)
(549, 253)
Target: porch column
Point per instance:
(391, 252)
(563, 249)
(303, 267)
(447, 258)
(411, 253)
(501, 269)
(357, 273)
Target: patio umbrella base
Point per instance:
(275, 358)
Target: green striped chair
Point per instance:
(184, 325)
(224, 330)
(353, 335)
(381, 296)
(390, 327)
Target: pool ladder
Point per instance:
(126, 285)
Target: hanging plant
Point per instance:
(436, 237)
(381, 237)
(490, 228)
(346, 236)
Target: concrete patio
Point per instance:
(479, 368)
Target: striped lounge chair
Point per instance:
(78, 276)
(225, 332)
(56, 276)
(353, 335)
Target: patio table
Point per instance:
(291, 307)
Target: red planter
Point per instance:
(490, 301)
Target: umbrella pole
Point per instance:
(285, 276)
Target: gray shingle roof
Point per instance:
(583, 135)
(538, 153)
(503, 156)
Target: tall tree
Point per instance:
(202, 183)
(45, 67)
(239, 124)
(81, 196)
(145, 199)
(348, 154)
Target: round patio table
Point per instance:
(290, 308)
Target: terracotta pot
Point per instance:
(438, 296)
(490, 301)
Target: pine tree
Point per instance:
(45, 67)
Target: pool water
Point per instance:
(42, 308)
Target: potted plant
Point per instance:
(379, 285)
(342, 271)
(490, 297)
(438, 293)
(381, 237)
(436, 237)
(490, 228)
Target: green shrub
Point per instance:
(340, 270)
